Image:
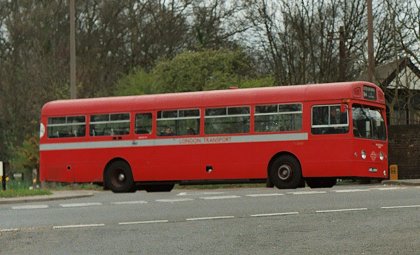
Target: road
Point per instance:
(365, 219)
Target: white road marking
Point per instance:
(80, 204)
(219, 197)
(174, 200)
(9, 230)
(28, 207)
(210, 218)
(201, 193)
(143, 222)
(351, 190)
(400, 206)
(265, 195)
(389, 188)
(79, 226)
(274, 214)
(307, 192)
(342, 210)
(129, 202)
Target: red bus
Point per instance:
(284, 136)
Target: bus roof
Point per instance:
(214, 98)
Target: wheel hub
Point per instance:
(284, 172)
(121, 177)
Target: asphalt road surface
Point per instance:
(365, 219)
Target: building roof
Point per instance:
(404, 69)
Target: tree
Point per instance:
(298, 38)
(195, 71)
(203, 70)
(215, 23)
(31, 65)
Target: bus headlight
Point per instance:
(363, 153)
(381, 156)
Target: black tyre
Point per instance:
(314, 183)
(119, 178)
(285, 172)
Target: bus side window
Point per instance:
(227, 120)
(328, 119)
(110, 124)
(66, 126)
(179, 122)
(143, 123)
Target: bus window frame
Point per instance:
(130, 121)
(226, 115)
(152, 128)
(329, 126)
(301, 112)
(158, 132)
(85, 123)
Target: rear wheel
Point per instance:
(285, 172)
(119, 178)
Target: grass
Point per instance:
(21, 189)
(72, 186)
(23, 193)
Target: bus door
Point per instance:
(142, 145)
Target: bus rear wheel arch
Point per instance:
(285, 172)
(118, 177)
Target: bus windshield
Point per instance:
(368, 123)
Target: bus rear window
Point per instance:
(67, 126)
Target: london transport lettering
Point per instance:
(205, 140)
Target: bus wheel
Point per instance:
(285, 172)
(314, 183)
(118, 177)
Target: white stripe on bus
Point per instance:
(174, 141)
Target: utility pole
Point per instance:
(371, 57)
(73, 92)
(343, 66)
(342, 52)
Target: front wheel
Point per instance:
(285, 172)
(119, 178)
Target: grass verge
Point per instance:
(23, 193)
